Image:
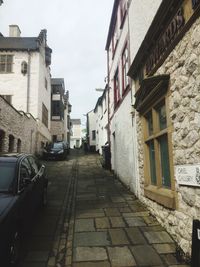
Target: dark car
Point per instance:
(23, 188)
(55, 150)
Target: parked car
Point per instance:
(23, 188)
(56, 150)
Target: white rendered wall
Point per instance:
(92, 127)
(15, 83)
(122, 145)
(141, 14)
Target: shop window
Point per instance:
(6, 63)
(2, 140)
(11, 143)
(116, 88)
(125, 67)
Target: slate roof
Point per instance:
(19, 43)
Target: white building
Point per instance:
(76, 133)
(91, 130)
(25, 77)
(101, 115)
(124, 37)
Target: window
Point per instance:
(25, 173)
(34, 165)
(55, 89)
(8, 98)
(125, 67)
(45, 83)
(122, 11)
(11, 143)
(115, 38)
(55, 108)
(116, 88)
(2, 140)
(19, 144)
(158, 161)
(44, 115)
(93, 135)
(6, 62)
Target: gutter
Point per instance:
(28, 83)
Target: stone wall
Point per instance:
(21, 126)
(183, 65)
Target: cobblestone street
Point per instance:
(108, 226)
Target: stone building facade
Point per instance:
(18, 130)
(167, 86)
(25, 77)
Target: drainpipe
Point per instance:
(134, 120)
(28, 83)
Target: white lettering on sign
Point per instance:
(198, 234)
(188, 175)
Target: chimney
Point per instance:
(14, 31)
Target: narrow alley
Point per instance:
(92, 220)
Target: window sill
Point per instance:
(165, 197)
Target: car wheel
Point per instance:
(14, 249)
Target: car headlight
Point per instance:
(61, 151)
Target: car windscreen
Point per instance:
(7, 175)
(58, 146)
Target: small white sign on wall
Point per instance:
(188, 175)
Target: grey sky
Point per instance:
(77, 32)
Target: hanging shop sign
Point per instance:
(188, 175)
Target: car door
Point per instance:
(37, 179)
(25, 191)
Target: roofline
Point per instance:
(112, 22)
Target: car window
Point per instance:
(58, 145)
(26, 164)
(34, 165)
(7, 175)
(25, 173)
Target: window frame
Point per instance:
(116, 82)
(123, 11)
(165, 196)
(125, 68)
(6, 63)
(45, 115)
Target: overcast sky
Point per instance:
(77, 32)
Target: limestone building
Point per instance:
(166, 75)
(25, 77)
